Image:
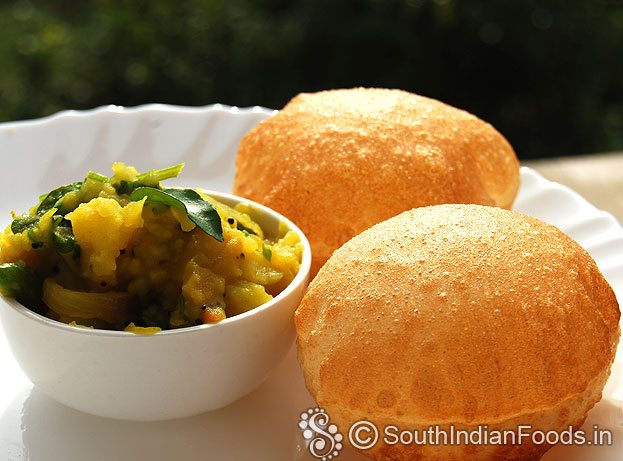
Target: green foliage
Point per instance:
(546, 73)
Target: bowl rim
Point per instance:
(149, 107)
(298, 280)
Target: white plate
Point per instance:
(40, 155)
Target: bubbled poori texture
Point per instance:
(337, 162)
(462, 315)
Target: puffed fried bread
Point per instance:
(460, 315)
(337, 162)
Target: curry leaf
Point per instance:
(46, 203)
(50, 201)
(23, 223)
(124, 187)
(198, 210)
(62, 235)
(23, 283)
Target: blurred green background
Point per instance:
(547, 74)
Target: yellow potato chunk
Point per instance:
(242, 296)
(103, 228)
(141, 330)
(257, 269)
(16, 247)
(185, 223)
(201, 285)
(123, 173)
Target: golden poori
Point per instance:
(463, 316)
(337, 162)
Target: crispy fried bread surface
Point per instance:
(337, 162)
(463, 315)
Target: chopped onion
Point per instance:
(112, 307)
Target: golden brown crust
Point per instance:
(337, 162)
(458, 314)
(571, 412)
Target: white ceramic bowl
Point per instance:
(171, 374)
